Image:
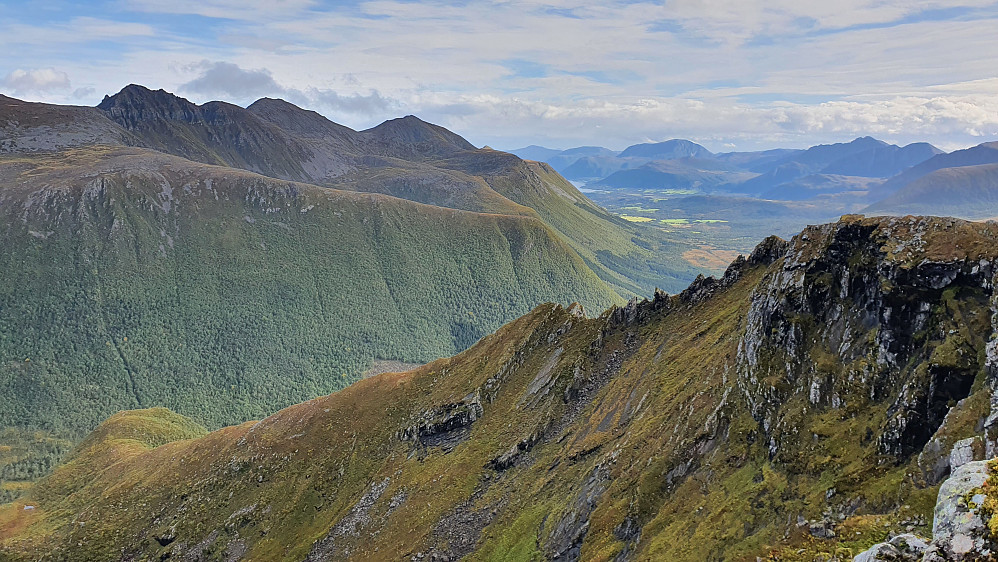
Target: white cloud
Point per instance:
(972, 119)
(735, 21)
(229, 81)
(84, 93)
(38, 80)
(565, 71)
(75, 31)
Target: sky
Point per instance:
(729, 74)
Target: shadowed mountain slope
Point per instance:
(134, 278)
(27, 126)
(986, 153)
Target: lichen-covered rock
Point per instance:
(902, 548)
(959, 529)
(965, 451)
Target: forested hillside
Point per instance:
(133, 279)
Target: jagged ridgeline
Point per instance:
(804, 406)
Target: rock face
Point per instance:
(991, 367)
(902, 548)
(445, 426)
(965, 451)
(875, 297)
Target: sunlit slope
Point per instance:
(133, 279)
(745, 417)
(405, 157)
(629, 257)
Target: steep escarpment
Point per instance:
(892, 311)
(805, 405)
(214, 133)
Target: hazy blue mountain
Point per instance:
(566, 158)
(963, 191)
(985, 153)
(535, 152)
(667, 150)
(560, 160)
(758, 161)
(852, 169)
(597, 167)
(817, 185)
(687, 173)
(783, 173)
(865, 157)
(819, 157)
(883, 161)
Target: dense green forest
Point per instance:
(163, 282)
(26, 455)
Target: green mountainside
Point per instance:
(801, 407)
(241, 292)
(134, 279)
(406, 157)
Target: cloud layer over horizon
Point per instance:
(733, 75)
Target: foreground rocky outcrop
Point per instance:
(960, 528)
(828, 398)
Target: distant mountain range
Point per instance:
(866, 172)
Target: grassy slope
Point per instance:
(406, 158)
(624, 255)
(233, 294)
(656, 443)
(486, 180)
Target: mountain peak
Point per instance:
(135, 103)
(419, 136)
(135, 93)
(293, 118)
(667, 150)
(867, 142)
